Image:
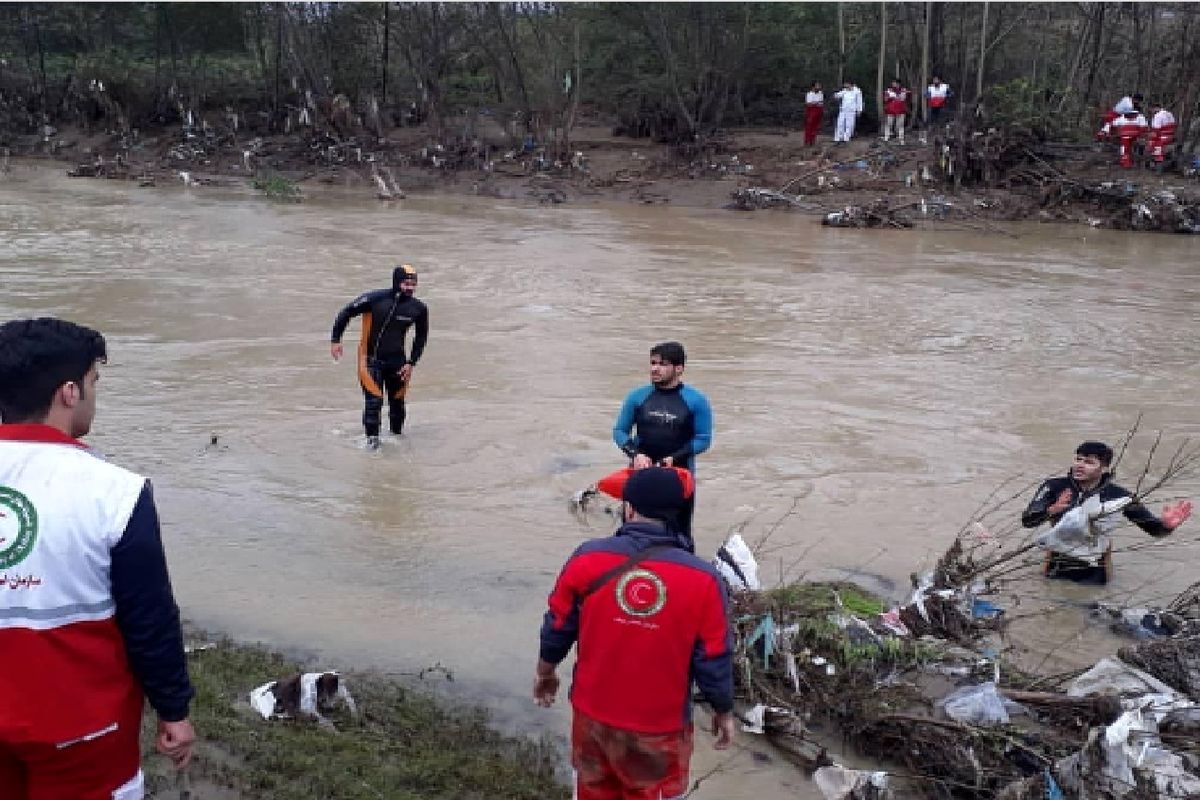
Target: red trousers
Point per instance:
(93, 768)
(812, 123)
(615, 764)
(1160, 138)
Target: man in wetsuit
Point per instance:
(1089, 475)
(673, 422)
(383, 365)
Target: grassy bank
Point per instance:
(403, 744)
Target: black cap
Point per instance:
(655, 492)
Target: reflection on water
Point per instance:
(890, 380)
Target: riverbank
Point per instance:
(402, 743)
(914, 183)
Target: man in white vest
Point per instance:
(851, 100)
(89, 628)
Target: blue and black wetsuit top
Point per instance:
(673, 422)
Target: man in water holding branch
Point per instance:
(1090, 477)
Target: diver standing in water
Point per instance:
(383, 365)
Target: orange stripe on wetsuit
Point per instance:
(364, 374)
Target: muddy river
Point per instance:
(883, 383)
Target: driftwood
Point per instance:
(1174, 661)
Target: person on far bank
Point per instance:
(666, 422)
(383, 366)
(1090, 475)
(814, 109)
(649, 619)
(938, 95)
(89, 628)
(895, 107)
(850, 99)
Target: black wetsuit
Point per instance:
(1061, 566)
(387, 315)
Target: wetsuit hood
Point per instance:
(401, 274)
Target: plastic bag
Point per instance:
(735, 561)
(980, 705)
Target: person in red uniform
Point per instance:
(649, 618)
(814, 109)
(89, 628)
(1162, 132)
(895, 107)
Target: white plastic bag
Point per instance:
(980, 705)
(737, 564)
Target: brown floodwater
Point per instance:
(882, 382)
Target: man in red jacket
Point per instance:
(895, 107)
(649, 618)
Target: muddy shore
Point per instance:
(909, 179)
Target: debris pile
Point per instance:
(922, 687)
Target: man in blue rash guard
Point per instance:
(665, 422)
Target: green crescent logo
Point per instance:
(18, 527)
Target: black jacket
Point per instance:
(1036, 513)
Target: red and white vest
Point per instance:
(63, 669)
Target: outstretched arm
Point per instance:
(355, 307)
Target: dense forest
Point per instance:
(672, 70)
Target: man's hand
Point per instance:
(405, 372)
(641, 461)
(1061, 504)
(175, 740)
(545, 688)
(1176, 515)
(336, 350)
(723, 727)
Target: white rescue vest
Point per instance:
(62, 510)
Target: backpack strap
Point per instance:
(622, 568)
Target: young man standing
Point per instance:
(383, 365)
(649, 618)
(1089, 475)
(88, 621)
(665, 422)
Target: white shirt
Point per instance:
(851, 100)
(814, 99)
(1124, 105)
(1138, 120)
(1162, 118)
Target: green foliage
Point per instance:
(1019, 103)
(405, 745)
(277, 187)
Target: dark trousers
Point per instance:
(378, 378)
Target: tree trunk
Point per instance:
(1097, 53)
(982, 55)
(383, 77)
(576, 88)
(841, 30)
(882, 61)
(924, 101)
